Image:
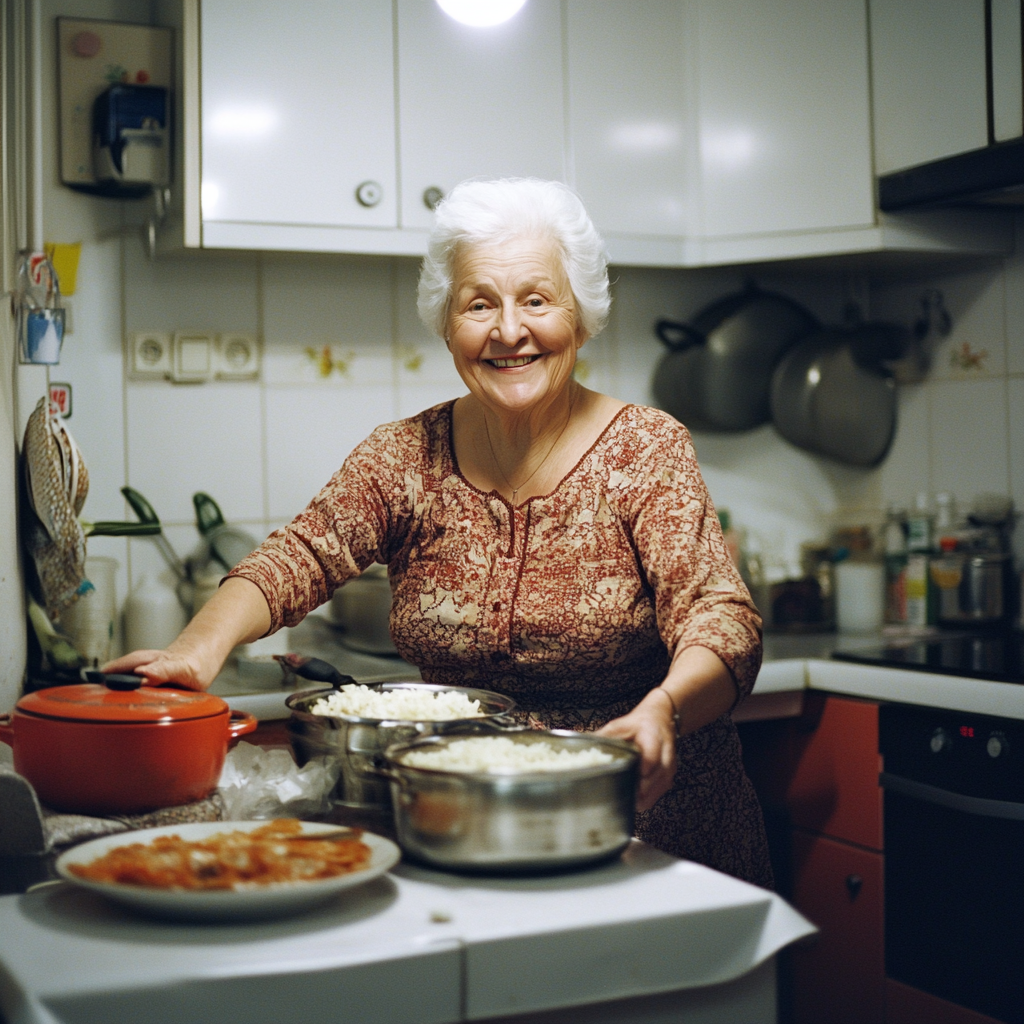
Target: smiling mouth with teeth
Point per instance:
(502, 364)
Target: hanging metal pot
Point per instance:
(717, 373)
(830, 395)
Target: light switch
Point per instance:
(150, 355)
(237, 357)
(193, 357)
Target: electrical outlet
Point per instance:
(150, 355)
(193, 357)
(237, 357)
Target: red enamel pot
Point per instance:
(120, 747)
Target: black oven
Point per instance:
(954, 856)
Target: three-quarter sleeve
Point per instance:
(349, 525)
(700, 598)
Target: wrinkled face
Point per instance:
(512, 326)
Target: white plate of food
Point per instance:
(228, 870)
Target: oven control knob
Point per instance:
(997, 745)
(941, 741)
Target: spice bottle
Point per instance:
(894, 540)
(920, 531)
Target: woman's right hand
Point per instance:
(161, 667)
(238, 613)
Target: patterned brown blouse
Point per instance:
(570, 602)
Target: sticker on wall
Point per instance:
(60, 398)
(327, 362)
(963, 357)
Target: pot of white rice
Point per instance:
(355, 722)
(514, 801)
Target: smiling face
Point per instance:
(512, 326)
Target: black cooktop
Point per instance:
(994, 656)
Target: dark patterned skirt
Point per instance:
(711, 814)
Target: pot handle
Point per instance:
(379, 767)
(677, 337)
(7, 730)
(241, 723)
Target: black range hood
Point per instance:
(992, 175)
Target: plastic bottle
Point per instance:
(153, 615)
(920, 526)
(947, 574)
(894, 542)
(920, 543)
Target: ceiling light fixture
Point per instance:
(480, 13)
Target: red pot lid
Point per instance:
(93, 702)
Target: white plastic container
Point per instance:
(153, 615)
(860, 596)
(90, 622)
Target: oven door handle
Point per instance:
(1006, 809)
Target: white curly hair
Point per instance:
(490, 212)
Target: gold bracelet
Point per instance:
(672, 704)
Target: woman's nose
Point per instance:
(509, 329)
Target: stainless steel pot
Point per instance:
(971, 587)
(829, 399)
(523, 822)
(717, 373)
(359, 743)
(362, 608)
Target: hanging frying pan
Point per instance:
(830, 396)
(717, 372)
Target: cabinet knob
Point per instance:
(432, 196)
(854, 883)
(369, 193)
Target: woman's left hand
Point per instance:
(651, 726)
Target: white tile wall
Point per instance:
(263, 448)
(310, 433)
(198, 437)
(1015, 388)
(1014, 300)
(343, 304)
(906, 470)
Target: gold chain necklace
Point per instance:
(547, 454)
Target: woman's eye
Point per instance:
(535, 302)
(477, 307)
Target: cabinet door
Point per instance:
(477, 101)
(840, 975)
(785, 139)
(1007, 74)
(928, 80)
(833, 785)
(630, 137)
(297, 112)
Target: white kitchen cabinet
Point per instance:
(298, 114)
(783, 117)
(631, 125)
(699, 132)
(1007, 77)
(928, 80)
(477, 101)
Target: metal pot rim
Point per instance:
(626, 747)
(507, 704)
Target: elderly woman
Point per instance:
(542, 540)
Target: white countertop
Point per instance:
(792, 664)
(415, 945)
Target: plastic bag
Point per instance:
(258, 784)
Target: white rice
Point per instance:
(499, 754)
(412, 705)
